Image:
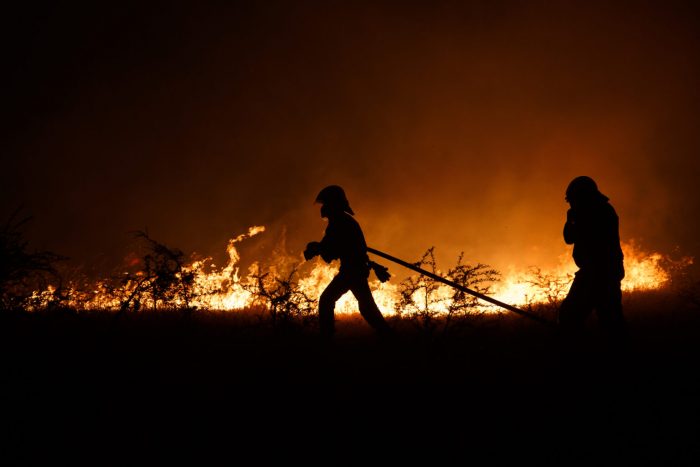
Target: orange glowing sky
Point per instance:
(453, 124)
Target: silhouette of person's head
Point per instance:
(333, 201)
(583, 190)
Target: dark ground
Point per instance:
(210, 388)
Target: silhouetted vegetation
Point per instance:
(154, 385)
(552, 287)
(430, 305)
(161, 280)
(286, 302)
(23, 272)
(231, 379)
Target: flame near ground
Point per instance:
(226, 288)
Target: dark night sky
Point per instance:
(454, 124)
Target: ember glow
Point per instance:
(227, 288)
(449, 124)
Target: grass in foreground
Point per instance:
(106, 388)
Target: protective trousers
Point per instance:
(593, 290)
(356, 282)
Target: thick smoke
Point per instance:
(451, 125)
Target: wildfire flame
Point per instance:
(643, 271)
(227, 289)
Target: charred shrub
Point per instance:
(23, 272)
(461, 305)
(162, 279)
(432, 306)
(287, 304)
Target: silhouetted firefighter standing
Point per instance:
(345, 241)
(592, 226)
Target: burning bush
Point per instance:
(286, 302)
(163, 279)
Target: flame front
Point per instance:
(227, 289)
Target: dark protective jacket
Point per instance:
(345, 241)
(593, 229)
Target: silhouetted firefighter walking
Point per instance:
(345, 241)
(592, 226)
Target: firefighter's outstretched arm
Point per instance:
(324, 248)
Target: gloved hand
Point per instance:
(313, 249)
(382, 272)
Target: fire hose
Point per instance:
(461, 288)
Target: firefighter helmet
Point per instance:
(334, 196)
(583, 187)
